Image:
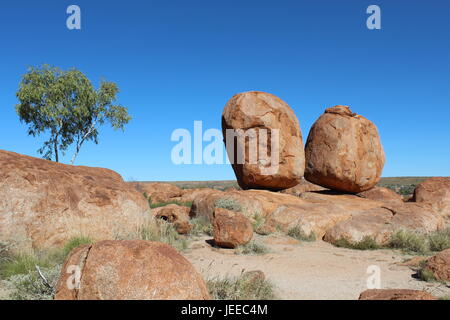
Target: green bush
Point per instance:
(439, 240)
(163, 204)
(30, 286)
(424, 273)
(201, 226)
(367, 243)
(229, 204)
(240, 288)
(409, 241)
(297, 233)
(252, 248)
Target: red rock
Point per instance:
(439, 265)
(395, 294)
(231, 228)
(435, 191)
(178, 215)
(382, 194)
(130, 270)
(259, 110)
(344, 152)
(44, 204)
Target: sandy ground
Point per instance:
(312, 270)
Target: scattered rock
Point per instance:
(130, 270)
(395, 294)
(259, 110)
(178, 215)
(382, 194)
(231, 228)
(414, 262)
(435, 191)
(344, 152)
(439, 265)
(43, 204)
(325, 214)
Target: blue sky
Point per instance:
(180, 61)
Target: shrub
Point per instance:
(201, 226)
(367, 243)
(424, 273)
(240, 288)
(252, 248)
(163, 204)
(159, 231)
(439, 240)
(30, 286)
(229, 204)
(409, 241)
(297, 233)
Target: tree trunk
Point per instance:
(55, 146)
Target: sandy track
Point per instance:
(315, 270)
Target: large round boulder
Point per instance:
(344, 152)
(270, 141)
(231, 229)
(44, 204)
(129, 270)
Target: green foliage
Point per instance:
(66, 104)
(297, 233)
(30, 286)
(163, 204)
(240, 288)
(229, 204)
(252, 248)
(424, 273)
(410, 242)
(367, 243)
(201, 226)
(439, 240)
(258, 222)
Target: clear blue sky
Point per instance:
(180, 61)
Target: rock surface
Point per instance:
(395, 294)
(130, 270)
(302, 187)
(382, 194)
(175, 214)
(439, 265)
(435, 191)
(44, 204)
(259, 110)
(158, 192)
(231, 229)
(344, 152)
(326, 214)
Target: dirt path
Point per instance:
(315, 270)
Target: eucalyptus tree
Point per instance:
(66, 105)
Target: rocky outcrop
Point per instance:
(175, 214)
(129, 270)
(158, 192)
(44, 204)
(344, 152)
(395, 294)
(280, 163)
(439, 266)
(324, 214)
(231, 229)
(383, 195)
(435, 191)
